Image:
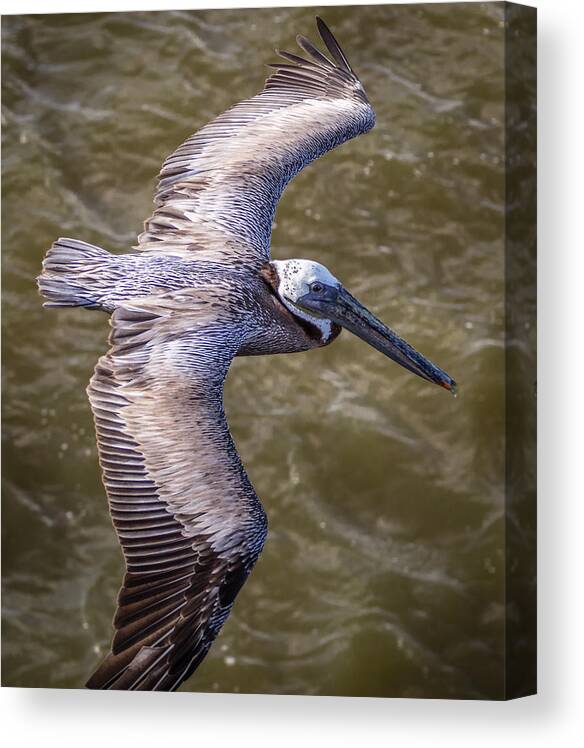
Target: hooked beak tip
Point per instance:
(450, 385)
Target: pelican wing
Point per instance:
(217, 193)
(188, 520)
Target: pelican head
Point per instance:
(312, 293)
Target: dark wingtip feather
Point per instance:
(315, 53)
(332, 45)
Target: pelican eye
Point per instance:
(316, 287)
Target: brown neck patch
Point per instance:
(269, 275)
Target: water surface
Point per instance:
(383, 571)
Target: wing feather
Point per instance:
(188, 521)
(219, 190)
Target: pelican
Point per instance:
(200, 290)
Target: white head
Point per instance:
(313, 294)
(297, 278)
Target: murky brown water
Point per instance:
(382, 574)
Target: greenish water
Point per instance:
(383, 570)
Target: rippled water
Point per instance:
(383, 570)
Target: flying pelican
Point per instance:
(202, 290)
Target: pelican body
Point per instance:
(200, 290)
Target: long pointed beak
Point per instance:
(344, 309)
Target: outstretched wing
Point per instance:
(188, 520)
(218, 192)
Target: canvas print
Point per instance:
(390, 448)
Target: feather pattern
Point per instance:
(218, 192)
(187, 517)
(189, 522)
